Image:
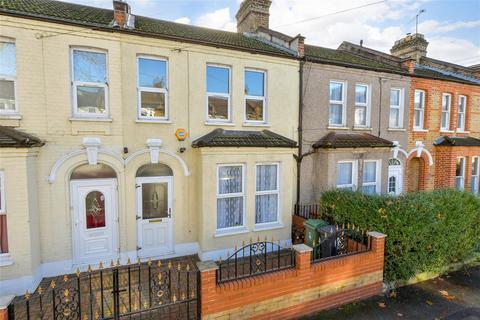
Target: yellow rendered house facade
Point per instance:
(132, 142)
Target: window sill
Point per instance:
(337, 128)
(5, 260)
(362, 129)
(153, 121)
(268, 226)
(396, 129)
(420, 130)
(462, 131)
(91, 119)
(256, 124)
(10, 116)
(446, 131)
(230, 232)
(219, 124)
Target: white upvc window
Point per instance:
(267, 188)
(347, 174)
(446, 111)
(8, 78)
(475, 183)
(461, 113)
(396, 108)
(337, 116)
(255, 96)
(230, 197)
(3, 220)
(89, 83)
(362, 105)
(371, 176)
(152, 88)
(460, 174)
(419, 110)
(218, 93)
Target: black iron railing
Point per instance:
(253, 259)
(337, 241)
(308, 211)
(153, 289)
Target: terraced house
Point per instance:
(128, 137)
(443, 149)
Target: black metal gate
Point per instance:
(151, 290)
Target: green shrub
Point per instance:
(425, 231)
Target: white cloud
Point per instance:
(454, 50)
(184, 20)
(434, 26)
(218, 19)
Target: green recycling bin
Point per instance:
(311, 233)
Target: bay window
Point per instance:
(218, 94)
(460, 174)
(3, 217)
(267, 193)
(446, 109)
(461, 114)
(361, 105)
(396, 109)
(90, 83)
(475, 174)
(419, 110)
(347, 175)
(255, 102)
(337, 104)
(230, 196)
(152, 89)
(8, 78)
(371, 177)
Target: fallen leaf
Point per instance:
(382, 304)
(443, 293)
(429, 302)
(399, 314)
(393, 294)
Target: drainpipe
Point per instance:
(380, 80)
(300, 128)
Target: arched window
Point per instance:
(394, 162)
(98, 171)
(154, 170)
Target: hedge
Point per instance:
(425, 231)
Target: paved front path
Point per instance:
(452, 297)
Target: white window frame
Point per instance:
(422, 110)
(463, 173)
(267, 192)
(343, 102)
(378, 175)
(448, 112)
(400, 108)
(230, 195)
(153, 90)
(5, 258)
(477, 175)
(10, 78)
(75, 84)
(264, 98)
(2, 191)
(464, 113)
(366, 105)
(354, 183)
(219, 95)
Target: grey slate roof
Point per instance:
(70, 13)
(335, 140)
(442, 74)
(457, 141)
(239, 138)
(13, 138)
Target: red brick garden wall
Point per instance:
(286, 294)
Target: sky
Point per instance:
(452, 27)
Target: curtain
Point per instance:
(230, 209)
(266, 205)
(336, 113)
(344, 173)
(370, 172)
(3, 234)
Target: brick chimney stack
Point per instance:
(413, 46)
(121, 14)
(253, 14)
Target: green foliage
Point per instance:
(425, 231)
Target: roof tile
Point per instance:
(13, 138)
(335, 140)
(238, 138)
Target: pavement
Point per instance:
(455, 296)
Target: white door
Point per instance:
(395, 180)
(95, 220)
(154, 216)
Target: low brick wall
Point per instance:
(291, 293)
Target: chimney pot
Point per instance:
(253, 14)
(412, 46)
